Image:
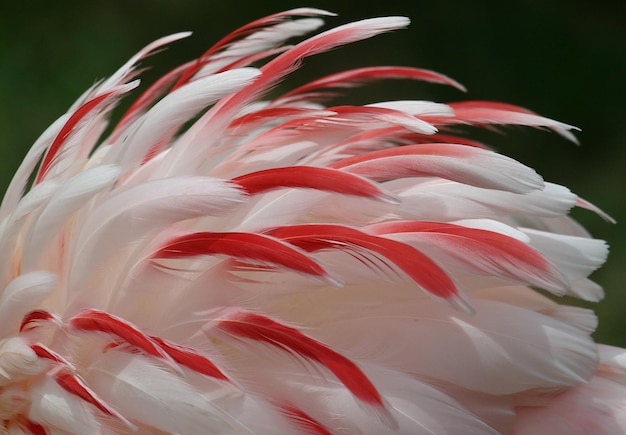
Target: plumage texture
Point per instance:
(223, 262)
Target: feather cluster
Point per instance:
(225, 263)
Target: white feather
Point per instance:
(21, 295)
(16, 188)
(502, 349)
(155, 397)
(69, 197)
(595, 407)
(257, 42)
(17, 361)
(576, 257)
(419, 408)
(447, 200)
(474, 166)
(416, 108)
(132, 214)
(277, 208)
(13, 225)
(52, 406)
(163, 120)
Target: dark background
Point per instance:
(565, 59)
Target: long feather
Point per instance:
(53, 406)
(359, 76)
(154, 397)
(426, 273)
(162, 121)
(488, 251)
(135, 213)
(246, 246)
(468, 165)
(273, 72)
(70, 196)
(313, 178)
(261, 328)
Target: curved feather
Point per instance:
(159, 124)
(261, 328)
(469, 165)
(360, 76)
(488, 112)
(310, 177)
(420, 268)
(153, 397)
(52, 406)
(69, 197)
(488, 251)
(246, 246)
(266, 26)
(21, 295)
(132, 214)
(527, 350)
(78, 121)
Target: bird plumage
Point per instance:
(284, 265)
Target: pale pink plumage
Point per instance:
(283, 266)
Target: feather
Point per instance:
(266, 27)
(137, 212)
(20, 219)
(74, 385)
(52, 406)
(17, 361)
(360, 76)
(474, 166)
(269, 115)
(273, 72)
(328, 40)
(416, 108)
(278, 208)
(260, 41)
(100, 321)
(310, 177)
(519, 358)
(247, 246)
(126, 71)
(488, 251)
(589, 206)
(260, 328)
(443, 200)
(166, 117)
(304, 421)
(488, 112)
(420, 268)
(93, 106)
(576, 257)
(21, 295)
(18, 183)
(69, 197)
(375, 116)
(156, 90)
(190, 358)
(154, 397)
(596, 404)
(35, 318)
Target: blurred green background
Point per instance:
(565, 59)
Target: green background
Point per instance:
(565, 59)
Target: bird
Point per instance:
(230, 257)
